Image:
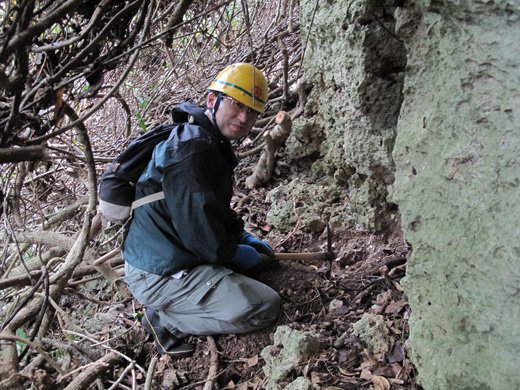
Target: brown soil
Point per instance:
(323, 297)
(323, 301)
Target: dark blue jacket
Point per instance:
(194, 224)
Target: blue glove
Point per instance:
(246, 257)
(260, 246)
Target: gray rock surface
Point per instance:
(428, 94)
(290, 349)
(457, 186)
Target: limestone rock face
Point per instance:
(457, 157)
(428, 93)
(357, 67)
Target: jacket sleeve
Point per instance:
(198, 202)
(235, 225)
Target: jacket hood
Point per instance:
(181, 113)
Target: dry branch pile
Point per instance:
(79, 79)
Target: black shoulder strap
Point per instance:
(141, 149)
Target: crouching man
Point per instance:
(185, 254)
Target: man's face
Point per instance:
(234, 119)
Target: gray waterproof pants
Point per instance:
(210, 299)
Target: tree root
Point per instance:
(273, 140)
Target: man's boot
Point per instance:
(165, 342)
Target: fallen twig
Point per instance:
(67, 318)
(92, 372)
(129, 368)
(298, 220)
(36, 347)
(25, 300)
(149, 374)
(39, 318)
(213, 364)
(107, 256)
(10, 380)
(25, 280)
(107, 348)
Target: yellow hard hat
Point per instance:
(243, 82)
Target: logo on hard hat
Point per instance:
(258, 91)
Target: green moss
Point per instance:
(373, 331)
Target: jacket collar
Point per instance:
(182, 113)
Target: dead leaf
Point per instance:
(380, 383)
(397, 354)
(395, 307)
(346, 357)
(323, 269)
(342, 310)
(58, 99)
(397, 369)
(253, 361)
(376, 309)
(170, 377)
(266, 228)
(242, 386)
(334, 304)
(256, 381)
(365, 374)
(384, 298)
(386, 371)
(318, 377)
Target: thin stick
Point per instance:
(67, 318)
(149, 374)
(107, 256)
(307, 38)
(89, 375)
(81, 368)
(213, 364)
(108, 348)
(37, 348)
(298, 220)
(122, 376)
(39, 319)
(24, 302)
(301, 256)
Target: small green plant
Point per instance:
(58, 354)
(19, 345)
(141, 121)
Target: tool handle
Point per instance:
(302, 256)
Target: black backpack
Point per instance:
(117, 185)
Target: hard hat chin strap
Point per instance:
(215, 108)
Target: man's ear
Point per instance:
(210, 100)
